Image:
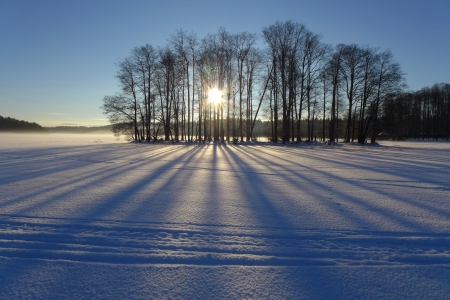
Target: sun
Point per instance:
(215, 96)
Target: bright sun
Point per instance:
(215, 96)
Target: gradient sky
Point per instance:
(57, 57)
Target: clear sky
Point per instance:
(57, 57)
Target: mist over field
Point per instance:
(94, 217)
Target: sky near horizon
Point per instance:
(58, 57)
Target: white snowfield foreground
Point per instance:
(89, 217)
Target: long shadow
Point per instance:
(266, 208)
(364, 160)
(313, 188)
(299, 184)
(99, 171)
(292, 182)
(252, 188)
(359, 157)
(381, 212)
(28, 194)
(413, 176)
(158, 201)
(130, 191)
(392, 164)
(187, 189)
(70, 157)
(254, 192)
(79, 183)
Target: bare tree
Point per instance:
(243, 44)
(120, 112)
(333, 71)
(284, 40)
(145, 60)
(185, 47)
(252, 65)
(268, 78)
(369, 63)
(314, 52)
(352, 70)
(228, 52)
(127, 76)
(166, 82)
(389, 80)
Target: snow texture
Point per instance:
(91, 217)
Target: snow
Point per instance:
(92, 217)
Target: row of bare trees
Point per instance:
(366, 77)
(295, 80)
(164, 91)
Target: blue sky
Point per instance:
(57, 57)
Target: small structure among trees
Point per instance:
(382, 136)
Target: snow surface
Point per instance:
(92, 217)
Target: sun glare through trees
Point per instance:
(215, 96)
(298, 88)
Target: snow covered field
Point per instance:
(91, 217)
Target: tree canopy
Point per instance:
(296, 84)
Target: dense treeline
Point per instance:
(78, 129)
(424, 114)
(300, 85)
(11, 124)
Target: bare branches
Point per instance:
(164, 90)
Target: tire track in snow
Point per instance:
(170, 243)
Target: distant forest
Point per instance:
(302, 88)
(11, 124)
(79, 129)
(424, 114)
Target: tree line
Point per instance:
(286, 76)
(11, 124)
(423, 114)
